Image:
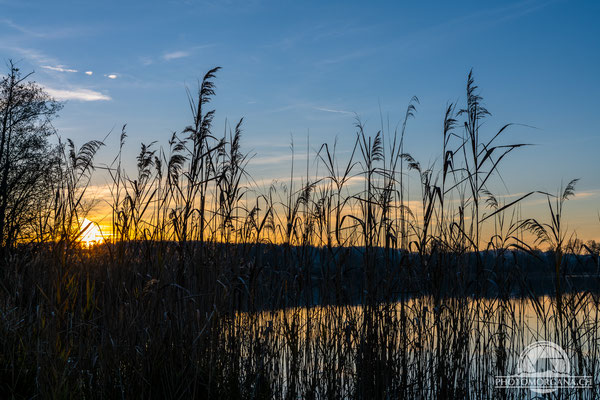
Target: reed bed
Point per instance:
(208, 287)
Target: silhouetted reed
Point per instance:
(345, 286)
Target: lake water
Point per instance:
(422, 347)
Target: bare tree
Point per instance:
(26, 156)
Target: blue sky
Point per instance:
(295, 67)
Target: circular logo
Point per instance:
(542, 361)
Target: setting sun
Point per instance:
(90, 233)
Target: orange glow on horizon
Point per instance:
(90, 233)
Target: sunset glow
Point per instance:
(90, 233)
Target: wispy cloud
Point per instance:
(331, 110)
(32, 55)
(48, 30)
(59, 68)
(21, 28)
(542, 199)
(587, 194)
(175, 55)
(89, 73)
(146, 61)
(111, 76)
(270, 160)
(77, 94)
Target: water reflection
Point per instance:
(420, 347)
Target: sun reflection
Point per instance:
(90, 233)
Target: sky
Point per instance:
(295, 69)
